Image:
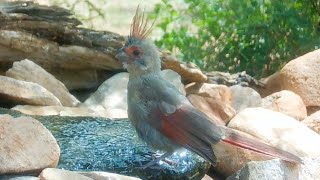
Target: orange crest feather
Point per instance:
(139, 27)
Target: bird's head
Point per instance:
(139, 55)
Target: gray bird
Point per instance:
(162, 116)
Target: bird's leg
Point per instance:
(151, 163)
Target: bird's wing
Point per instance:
(177, 119)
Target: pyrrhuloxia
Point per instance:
(162, 116)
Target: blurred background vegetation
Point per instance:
(256, 36)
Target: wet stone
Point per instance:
(99, 144)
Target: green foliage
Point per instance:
(257, 36)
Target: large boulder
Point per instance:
(279, 130)
(21, 92)
(300, 76)
(26, 146)
(286, 102)
(220, 112)
(276, 169)
(27, 70)
(313, 122)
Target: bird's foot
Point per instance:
(157, 159)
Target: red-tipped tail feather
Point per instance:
(256, 146)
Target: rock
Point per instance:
(76, 79)
(96, 175)
(300, 76)
(26, 146)
(244, 97)
(217, 92)
(312, 109)
(22, 92)
(188, 72)
(313, 122)
(286, 102)
(206, 177)
(110, 100)
(279, 130)
(59, 174)
(111, 97)
(55, 110)
(17, 177)
(27, 70)
(277, 169)
(230, 159)
(98, 144)
(174, 78)
(218, 111)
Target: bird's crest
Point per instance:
(139, 27)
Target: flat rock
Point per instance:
(244, 97)
(54, 110)
(276, 169)
(219, 112)
(59, 174)
(313, 122)
(27, 70)
(278, 130)
(300, 76)
(98, 175)
(286, 102)
(22, 92)
(26, 146)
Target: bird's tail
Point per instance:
(235, 139)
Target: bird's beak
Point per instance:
(122, 57)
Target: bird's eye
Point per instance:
(136, 52)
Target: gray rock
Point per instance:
(276, 169)
(244, 97)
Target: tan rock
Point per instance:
(188, 72)
(215, 91)
(26, 146)
(230, 159)
(27, 70)
(96, 175)
(277, 169)
(59, 174)
(313, 122)
(22, 92)
(286, 102)
(278, 130)
(54, 110)
(300, 76)
(312, 109)
(219, 112)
